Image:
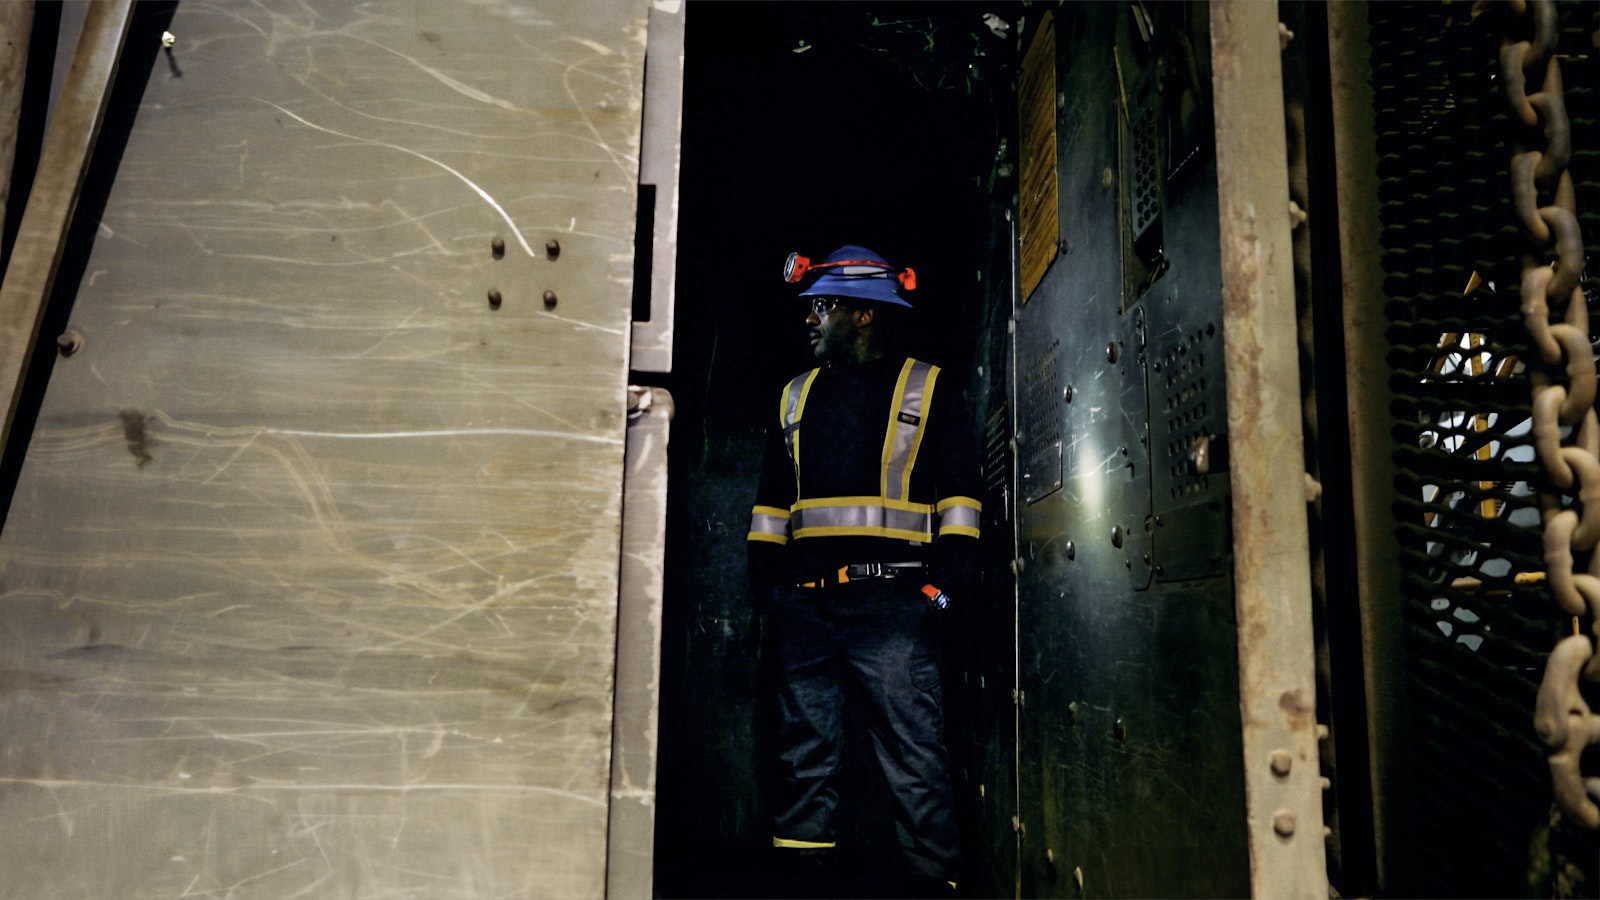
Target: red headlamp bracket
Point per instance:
(796, 267)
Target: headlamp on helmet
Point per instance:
(796, 268)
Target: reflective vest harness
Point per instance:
(891, 514)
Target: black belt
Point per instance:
(868, 572)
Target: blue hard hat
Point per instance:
(854, 271)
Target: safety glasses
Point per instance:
(821, 306)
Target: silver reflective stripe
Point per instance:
(863, 519)
(957, 516)
(907, 417)
(762, 524)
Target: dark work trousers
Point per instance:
(884, 636)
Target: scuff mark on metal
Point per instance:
(515, 231)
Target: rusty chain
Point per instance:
(1566, 434)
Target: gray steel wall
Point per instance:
(1129, 763)
(309, 583)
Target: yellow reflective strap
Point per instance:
(923, 397)
(803, 845)
(907, 421)
(959, 515)
(827, 502)
(768, 523)
(891, 435)
(862, 517)
(791, 407)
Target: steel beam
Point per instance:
(16, 24)
(64, 160)
(659, 156)
(630, 837)
(1372, 466)
(1277, 675)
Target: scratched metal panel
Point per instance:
(309, 584)
(1129, 764)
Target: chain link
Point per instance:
(1563, 387)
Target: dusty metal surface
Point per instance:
(16, 24)
(309, 585)
(659, 157)
(1271, 556)
(630, 855)
(74, 126)
(1128, 765)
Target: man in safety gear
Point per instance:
(865, 526)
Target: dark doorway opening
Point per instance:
(806, 126)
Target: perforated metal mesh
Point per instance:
(1475, 638)
(1146, 199)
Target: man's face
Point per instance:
(833, 328)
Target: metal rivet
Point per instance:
(69, 342)
(549, 299)
(1114, 351)
(1073, 712)
(552, 248)
(1281, 762)
(494, 298)
(1072, 551)
(497, 247)
(1283, 823)
(1116, 536)
(1119, 729)
(1067, 393)
(1050, 856)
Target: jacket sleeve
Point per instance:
(958, 483)
(768, 539)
